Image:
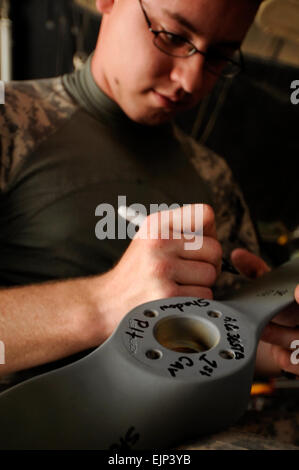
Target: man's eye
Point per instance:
(173, 39)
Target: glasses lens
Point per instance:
(231, 70)
(172, 44)
(215, 62)
(224, 66)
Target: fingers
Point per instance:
(157, 264)
(211, 251)
(266, 365)
(195, 273)
(195, 291)
(287, 360)
(248, 264)
(284, 346)
(189, 267)
(280, 335)
(288, 317)
(282, 338)
(193, 218)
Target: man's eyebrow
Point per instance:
(180, 19)
(184, 22)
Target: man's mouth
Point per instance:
(168, 101)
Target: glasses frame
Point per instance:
(226, 73)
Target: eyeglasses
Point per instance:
(178, 46)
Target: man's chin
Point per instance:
(159, 116)
(155, 118)
(148, 114)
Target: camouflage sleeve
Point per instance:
(234, 225)
(32, 111)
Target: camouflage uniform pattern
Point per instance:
(33, 110)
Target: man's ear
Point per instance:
(104, 6)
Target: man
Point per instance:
(70, 143)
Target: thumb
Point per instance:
(248, 264)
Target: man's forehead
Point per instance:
(180, 18)
(193, 5)
(194, 14)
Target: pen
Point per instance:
(137, 218)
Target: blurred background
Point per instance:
(250, 120)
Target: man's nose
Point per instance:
(189, 72)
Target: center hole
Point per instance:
(187, 335)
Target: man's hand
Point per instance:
(274, 350)
(46, 322)
(151, 269)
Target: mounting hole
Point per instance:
(214, 314)
(150, 313)
(153, 354)
(187, 335)
(227, 354)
